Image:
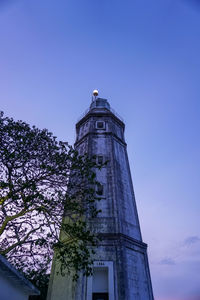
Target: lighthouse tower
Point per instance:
(121, 269)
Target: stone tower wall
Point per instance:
(119, 213)
(121, 249)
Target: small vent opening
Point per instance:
(100, 125)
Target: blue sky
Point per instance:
(144, 57)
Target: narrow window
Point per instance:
(99, 159)
(99, 190)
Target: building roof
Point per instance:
(8, 271)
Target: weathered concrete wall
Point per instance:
(118, 222)
(118, 202)
(131, 274)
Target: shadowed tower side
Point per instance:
(121, 270)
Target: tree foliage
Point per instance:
(40, 179)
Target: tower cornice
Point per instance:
(100, 113)
(97, 134)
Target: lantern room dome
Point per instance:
(100, 103)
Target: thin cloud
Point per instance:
(191, 240)
(167, 261)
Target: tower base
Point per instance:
(121, 272)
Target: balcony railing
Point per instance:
(111, 109)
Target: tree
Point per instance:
(40, 179)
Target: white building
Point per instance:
(13, 285)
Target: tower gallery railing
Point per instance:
(111, 109)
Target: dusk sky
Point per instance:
(144, 57)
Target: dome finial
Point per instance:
(95, 93)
